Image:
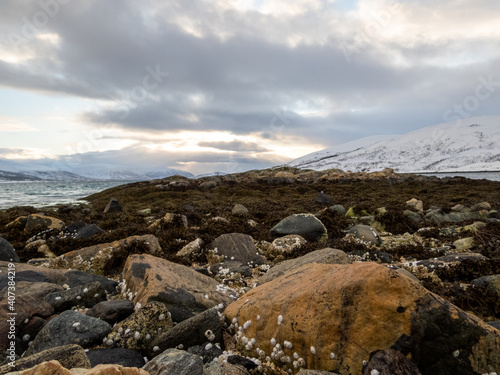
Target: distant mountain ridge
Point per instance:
(39, 171)
(468, 145)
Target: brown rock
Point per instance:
(43, 222)
(106, 258)
(191, 250)
(69, 356)
(324, 256)
(391, 362)
(334, 316)
(183, 290)
(416, 204)
(55, 368)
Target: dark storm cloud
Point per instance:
(233, 71)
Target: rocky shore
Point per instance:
(280, 271)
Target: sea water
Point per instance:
(47, 193)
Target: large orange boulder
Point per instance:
(332, 317)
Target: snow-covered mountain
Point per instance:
(51, 170)
(471, 144)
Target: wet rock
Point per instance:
(192, 250)
(112, 311)
(203, 328)
(113, 206)
(464, 244)
(117, 356)
(323, 199)
(366, 233)
(230, 269)
(285, 245)
(391, 362)
(106, 258)
(43, 222)
(70, 327)
(69, 356)
(336, 305)
(138, 330)
(495, 324)
(239, 210)
(84, 296)
(88, 231)
(305, 225)
(236, 247)
(325, 256)
(338, 209)
(7, 252)
(173, 361)
(481, 206)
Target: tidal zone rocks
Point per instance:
(335, 317)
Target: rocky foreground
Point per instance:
(265, 272)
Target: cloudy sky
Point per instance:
(231, 85)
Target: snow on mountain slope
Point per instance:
(472, 144)
(53, 170)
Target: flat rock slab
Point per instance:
(184, 291)
(335, 316)
(449, 259)
(70, 327)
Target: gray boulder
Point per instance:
(366, 233)
(116, 356)
(239, 210)
(7, 252)
(85, 296)
(70, 327)
(173, 361)
(237, 247)
(305, 225)
(338, 208)
(112, 311)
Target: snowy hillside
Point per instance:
(470, 145)
(54, 171)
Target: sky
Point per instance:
(233, 85)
